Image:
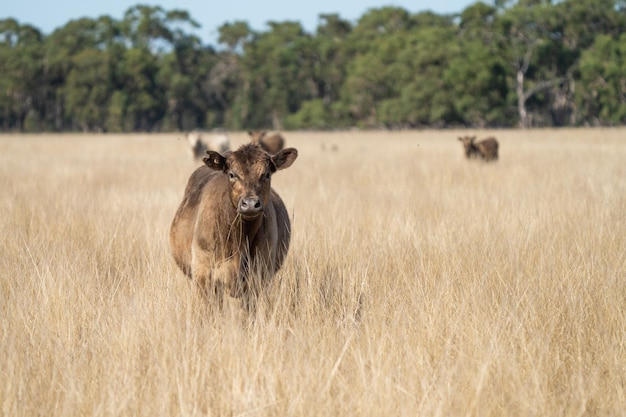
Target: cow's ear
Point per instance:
(284, 158)
(215, 161)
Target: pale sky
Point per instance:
(47, 15)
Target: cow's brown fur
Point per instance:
(271, 143)
(486, 149)
(232, 231)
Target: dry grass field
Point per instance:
(417, 284)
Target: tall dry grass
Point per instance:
(418, 283)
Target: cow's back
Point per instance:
(272, 143)
(183, 225)
(488, 148)
(283, 228)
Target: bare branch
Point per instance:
(543, 85)
(528, 55)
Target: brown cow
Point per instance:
(486, 149)
(232, 231)
(270, 143)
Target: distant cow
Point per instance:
(270, 143)
(231, 232)
(198, 147)
(486, 149)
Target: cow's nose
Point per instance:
(249, 205)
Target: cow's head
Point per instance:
(193, 138)
(468, 144)
(250, 170)
(256, 135)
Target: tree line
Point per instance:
(519, 63)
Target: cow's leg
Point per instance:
(260, 266)
(227, 272)
(202, 273)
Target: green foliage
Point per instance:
(21, 67)
(312, 115)
(603, 81)
(501, 63)
(234, 35)
(278, 67)
(115, 113)
(477, 80)
(87, 92)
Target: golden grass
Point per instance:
(418, 283)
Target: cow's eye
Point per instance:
(266, 176)
(231, 175)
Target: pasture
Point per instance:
(417, 283)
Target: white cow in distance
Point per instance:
(200, 142)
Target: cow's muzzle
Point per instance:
(250, 207)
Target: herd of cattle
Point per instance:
(231, 231)
(200, 143)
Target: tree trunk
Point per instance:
(276, 125)
(521, 100)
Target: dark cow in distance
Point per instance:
(270, 143)
(486, 149)
(231, 232)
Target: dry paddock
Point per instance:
(417, 284)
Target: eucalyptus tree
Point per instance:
(80, 69)
(87, 58)
(325, 58)
(179, 74)
(21, 66)
(524, 31)
(542, 42)
(152, 35)
(225, 84)
(426, 97)
(330, 71)
(590, 30)
(373, 74)
(476, 76)
(278, 75)
(601, 93)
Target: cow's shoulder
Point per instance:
(204, 183)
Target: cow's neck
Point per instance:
(247, 231)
